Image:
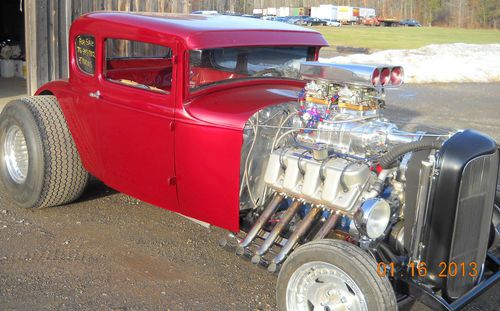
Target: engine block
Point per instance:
(334, 182)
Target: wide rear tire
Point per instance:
(39, 163)
(332, 275)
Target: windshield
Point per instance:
(212, 66)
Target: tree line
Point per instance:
(452, 13)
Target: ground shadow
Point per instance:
(96, 189)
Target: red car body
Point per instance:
(180, 150)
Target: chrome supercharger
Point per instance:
(330, 165)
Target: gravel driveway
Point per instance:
(111, 252)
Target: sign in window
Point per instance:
(85, 53)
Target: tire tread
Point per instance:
(65, 178)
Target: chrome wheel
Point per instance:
(322, 286)
(16, 154)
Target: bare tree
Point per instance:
(455, 13)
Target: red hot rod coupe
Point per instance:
(234, 122)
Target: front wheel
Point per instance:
(332, 275)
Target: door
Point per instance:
(135, 119)
(84, 81)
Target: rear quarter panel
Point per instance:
(83, 133)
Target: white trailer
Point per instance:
(272, 11)
(345, 14)
(365, 12)
(327, 11)
(258, 11)
(316, 12)
(284, 11)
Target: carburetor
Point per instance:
(340, 107)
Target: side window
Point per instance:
(85, 53)
(139, 64)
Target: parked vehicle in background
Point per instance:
(345, 14)
(310, 21)
(325, 11)
(234, 123)
(379, 21)
(370, 21)
(333, 23)
(281, 19)
(271, 12)
(291, 19)
(409, 23)
(259, 12)
(364, 12)
(388, 22)
(205, 12)
(269, 17)
(251, 16)
(295, 19)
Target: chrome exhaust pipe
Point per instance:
(263, 219)
(327, 226)
(301, 229)
(278, 228)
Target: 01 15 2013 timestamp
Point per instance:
(446, 269)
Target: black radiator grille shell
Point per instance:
(459, 210)
(473, 215)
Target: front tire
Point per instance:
(332, 275)
(39, 163)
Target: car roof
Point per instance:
(199, 31)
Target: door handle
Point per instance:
(96, 94)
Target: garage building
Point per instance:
(41, 28)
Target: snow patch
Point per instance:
(457, 62)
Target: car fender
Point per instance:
(208, 142)
(80, 131)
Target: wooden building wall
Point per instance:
(47, 25)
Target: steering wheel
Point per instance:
(269, 72)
